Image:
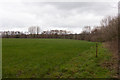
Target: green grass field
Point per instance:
(53, 58)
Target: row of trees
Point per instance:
(106, 32)
(46, 35)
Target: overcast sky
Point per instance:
(71, 16)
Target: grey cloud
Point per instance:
(98, 7)
(54, 15)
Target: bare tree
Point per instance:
(34, 30)
(38, 30)
(87, 29)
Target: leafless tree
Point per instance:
(34, 30)
(38, 30)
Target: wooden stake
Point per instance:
(96, 49)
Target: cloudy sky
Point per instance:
(73, 16)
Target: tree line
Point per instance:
(107, 31)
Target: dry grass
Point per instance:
(113, 64)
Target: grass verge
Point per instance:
(85, 65)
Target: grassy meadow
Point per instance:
(53, 58)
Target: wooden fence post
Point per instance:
(96, 49)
